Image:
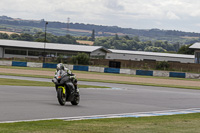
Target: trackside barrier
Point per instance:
(96, 69)
(128, 71)
(177, 75)
(144, 72)
(70, 67)
(6, 63)
(33, 64)
(104, 70)
(21, 64)
(160, 73)
(49, 65)
(192, 76)
(111, 70)
(80, 68)
(125, 71)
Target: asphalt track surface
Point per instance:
(27, 103)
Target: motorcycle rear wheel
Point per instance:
(76, 100)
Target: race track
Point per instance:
(27, 103)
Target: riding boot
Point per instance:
(76, 89)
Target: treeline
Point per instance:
(133, 43)
(39, 37)
(98, 28)
(116, 42)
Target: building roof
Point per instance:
(152, 54)
(195, 46)
(50, 46)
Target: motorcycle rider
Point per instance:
(60, 66)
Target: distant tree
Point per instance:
(93, 35)
(186, 50)
(15, 36)
(40, 40)
(154, 49)
(177, 46)
(81, 58)
(26, 37)
(82, 38)
(136, 38)
(4, 36)
(126, 37)
(116, 37)
(162, 65)
(68, 39)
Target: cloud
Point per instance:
(114, 5)
(125, 13)
(172, 15)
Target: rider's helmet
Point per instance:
(60, 66)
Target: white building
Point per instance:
(141, 55)
(12, 48)
(196, 47)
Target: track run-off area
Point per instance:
(22, 103)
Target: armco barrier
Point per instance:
(177, 75)
(49, 65)
(111, 70)
(96, 69)
(6, 63)
(33, 64)
(80, 68)
(21, 64)
(144, 72)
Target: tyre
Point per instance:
(76, 100)
(61, 96)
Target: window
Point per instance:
(65, 55)
(34, 53)
(197, 57)
(15, 51)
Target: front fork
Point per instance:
(63, 89)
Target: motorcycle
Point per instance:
(65, 89)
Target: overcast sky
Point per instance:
(181, 15)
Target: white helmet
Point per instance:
(60, 66)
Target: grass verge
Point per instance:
(86, 72)
(162, 124)
(143, 84)
(109, 81)
(16, 82)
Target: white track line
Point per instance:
(123, 115)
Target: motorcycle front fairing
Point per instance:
(71, 90)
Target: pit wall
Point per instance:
(104, 70)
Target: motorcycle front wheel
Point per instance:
(61, 96)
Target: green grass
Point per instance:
(143, 84)
(27, 75)
(109, 81)
(189, 123)
(28, 68)
(16, 82)
(85, 72)
(104, 81)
